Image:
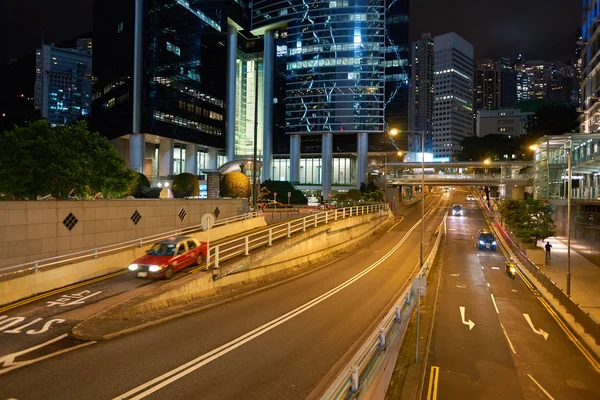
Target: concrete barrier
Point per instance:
(260, 266)
(24, 286)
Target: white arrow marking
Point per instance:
(538, 331)
(462, 315)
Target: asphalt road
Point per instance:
(276, 344)
(515, 349)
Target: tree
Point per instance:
(553, 119)
(264, 194)
(531, 220)
(186, 185)
(63, 161)
(354, 195)
(363, 188)
(236, 185)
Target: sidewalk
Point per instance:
(585, 276)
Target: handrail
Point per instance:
(356, 371)
(36, 265)
(265, 237)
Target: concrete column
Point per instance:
(191, 158)
(212, 158)
(362, 147)
(165, 158)
(136, 139)
(295, 141)
(230, 97)
(268, 79)
(326, 164)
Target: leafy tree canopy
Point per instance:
(38, 159)
(185, 185)
(354, 194)
(531, 220)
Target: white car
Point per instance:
(458, 210)
(470, 197)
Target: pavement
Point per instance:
(491, 336)
(284, 342)
(585, 276)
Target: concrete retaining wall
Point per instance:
(261, 265)
(33, 230)
(52, 278)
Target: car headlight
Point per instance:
(133, 267)
(513, 270)
(494, 243)
(481, 242)
(154, 268)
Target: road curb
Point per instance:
(332, 259)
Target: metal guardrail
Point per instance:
(357, 370)
(36, 266)
(580, 316)
(243, 245)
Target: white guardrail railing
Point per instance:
(36, 266)
(356, 374)
(243, 245)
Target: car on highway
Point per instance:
(168, 256)
(457, 209)
(470, 197)
(486, 240)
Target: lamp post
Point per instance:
(422, 133)
(569, 184)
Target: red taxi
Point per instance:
(168, 256)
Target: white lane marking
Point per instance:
(495, 267)
(189, 367)
(482, 267)
(470, 323)
(495, 306)
(454, 275)
(56, 353)
(461, 286)
(538, 331)
(9, 322)
(9, 359)
(514, 290)
(540, 386)
(488, 284)
(508, 340)
(72, 299)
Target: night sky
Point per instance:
(539, 29)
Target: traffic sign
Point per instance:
(208, 221)
(217, 212)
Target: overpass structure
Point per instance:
(471, 173)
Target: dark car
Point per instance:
(168, 256)
(486, 240)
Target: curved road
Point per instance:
(275, 344)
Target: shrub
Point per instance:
(236, 185)
(185, 185)
(354, 194)
(282, 188)
(143, 180)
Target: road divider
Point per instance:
(363, 363)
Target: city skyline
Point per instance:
(550, 36)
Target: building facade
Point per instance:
(504, 121)
(590, 39)
(421, 93)
(63, 84)
(453, 97)
(488, 86)
(157, 82)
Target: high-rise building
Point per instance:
(488, 86)
(63, 84)
(523, 80)
(160, 81)
(421, 93)
(337, 72)
(453, 97)
(590, 101)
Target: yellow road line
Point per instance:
(396, 224)
(61, 290)
(433, 383)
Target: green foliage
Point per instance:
(186, 185)
(143, 180)
(354, 194)
(63, 161)
(235, 185)
(342, 196)
(265, 194)
(531, 220)
(282, 188)
(363, 188)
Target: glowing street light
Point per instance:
(487, 161)
(394, 131)
(400, 153)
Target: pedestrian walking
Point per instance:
(548, 247)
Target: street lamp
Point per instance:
(535, 147)
(422, 133)
(394, 131)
